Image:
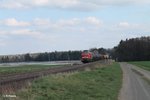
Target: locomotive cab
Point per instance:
(86, 56)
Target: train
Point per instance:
(90, 56)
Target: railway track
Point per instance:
(8, 81)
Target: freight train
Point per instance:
(90, 56)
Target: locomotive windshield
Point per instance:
(86, 51)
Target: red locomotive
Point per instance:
(89, 56)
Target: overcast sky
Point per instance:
(28, 26)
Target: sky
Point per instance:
(30, 26)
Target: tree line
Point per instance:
(134, 49)
(48, 56)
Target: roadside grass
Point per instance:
(25, 68)
(97, 84)
(143, 64)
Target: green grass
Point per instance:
(98, 84)
(24, 68)
(143, 64)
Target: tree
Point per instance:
(27, 57)
(135, 49)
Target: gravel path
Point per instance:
(135, 85)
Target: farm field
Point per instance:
(97, 84)
(12, 68)
(143, 64)
(25, 68)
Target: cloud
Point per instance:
(40, 2)
(48, 25)
(11, 4)
(54, 3)
(130, 29)
(116, 2)
(42, 27)
(69, 22)
(127, 25)
(65, 24)
(46, 28)
(14, 22)
(2, 43)
(17, 4)
(93, 21)
(124, 24)
(41, 22)
(22, 32)
(82, 5)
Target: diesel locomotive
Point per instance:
(89, 56)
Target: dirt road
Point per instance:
(136, 83)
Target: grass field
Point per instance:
(24, 68)
(143, 64)
(98, 84)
